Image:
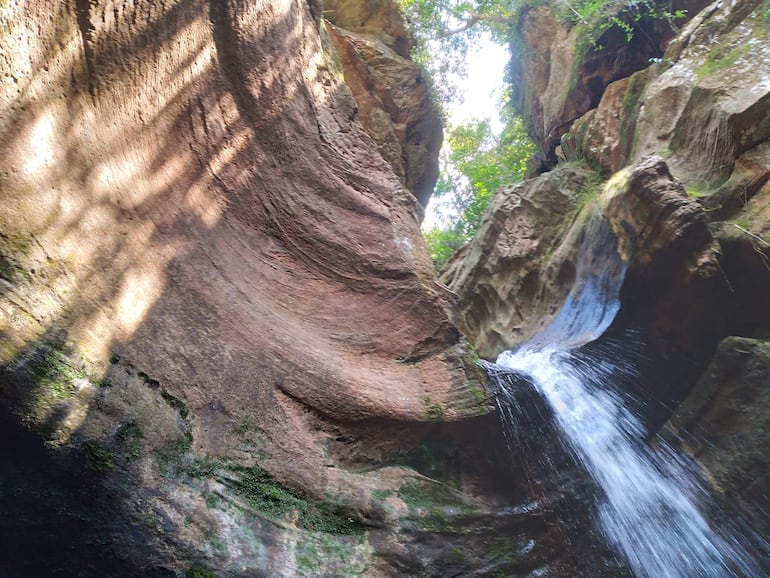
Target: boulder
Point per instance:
(725, 426)
(505, 276)
(603, 136)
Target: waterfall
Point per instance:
(651, 504)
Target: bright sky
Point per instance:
(486, 72)
(481, 89)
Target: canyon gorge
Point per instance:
(224, 350)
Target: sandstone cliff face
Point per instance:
(394, 105)
(674, 153)
(216, 307)
(559, 74)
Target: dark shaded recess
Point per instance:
(530, 492)
(55, 514)
(678, 328)
(86, 27)
(61, 514)
(316, 10)
(747, 268)
(533, 439)
(646, 375)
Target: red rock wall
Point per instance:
(186, 185)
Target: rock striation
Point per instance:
(394, 104)
(216, 307)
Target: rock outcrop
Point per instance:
(216, 307)
(679, 146)
(561, 69)
(394, 105)
(702, 105)
(725, 425)
(515, 274)
(507, 276)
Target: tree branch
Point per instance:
(472, 20)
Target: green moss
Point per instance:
(721, 57)
(696, 190)
(171, 457)
(13, 251)
(433, 506)
(217, 545)
(630, 109)
(336, 547)
(8, 269)
(97, 458)
(307, 558)
(433, 411)
(212, 500)
(204, 467)
(414, 496)
(326, 554)
(129, 437)
(476, 377)
(56, 373)
(381, 495)
(480, 397)
(274, 500)
(251, 437)
(199, 572)
(595, 18)
(249, 423)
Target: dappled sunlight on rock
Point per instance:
(39, 146)
(198, 232)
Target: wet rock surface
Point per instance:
(725, 426)
(691, 223)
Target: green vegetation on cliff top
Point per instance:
(478, 160)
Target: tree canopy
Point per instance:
(476, 163)
(477, 160)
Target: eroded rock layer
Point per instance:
(216, 307)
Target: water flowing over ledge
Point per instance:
(651, 506)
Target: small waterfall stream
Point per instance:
(651, 507)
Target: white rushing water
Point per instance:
(651, 507)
